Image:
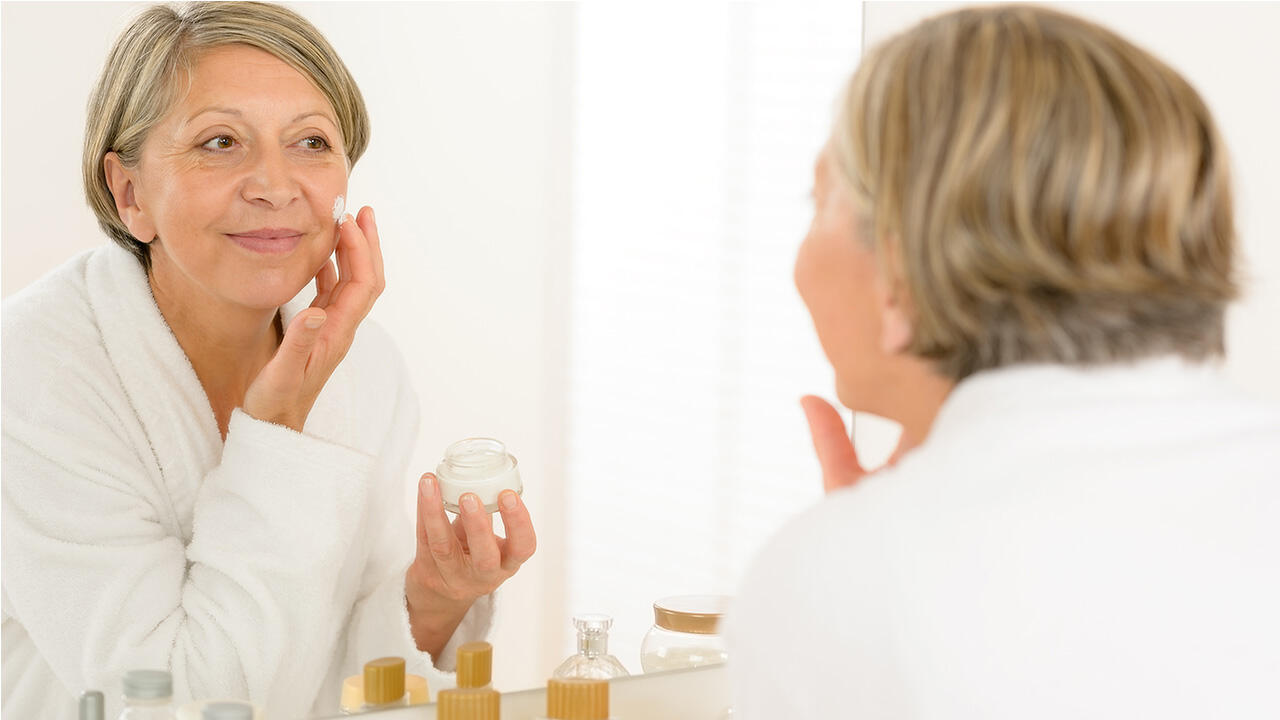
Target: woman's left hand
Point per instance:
(460, 562)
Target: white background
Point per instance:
(589, 214)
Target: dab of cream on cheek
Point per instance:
(339, 207)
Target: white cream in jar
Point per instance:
(477, 465)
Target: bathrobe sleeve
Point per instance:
(255, 605)
(250, 608)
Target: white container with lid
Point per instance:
(148, 695)
(685, 633)
(477, 465)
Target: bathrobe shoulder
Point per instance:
(264, 567)
(1066, 544)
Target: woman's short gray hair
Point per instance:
(139, 83)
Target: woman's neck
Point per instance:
(916, 407)
(227, 344)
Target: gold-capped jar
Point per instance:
(685, 633)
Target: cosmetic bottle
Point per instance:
(148, 695)
(475, 665)
(577, 699)
(592, 659)
(92, 705)
(468, 704)
(384, 684)
(477, 465)
(685, 633)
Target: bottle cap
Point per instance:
(227, 711)
(148, 684)
(467, 704)
(353, 692)
(699, 614)
(593, 623)
(92, 705)
(577, 699)
(383, 680)
(475, 664)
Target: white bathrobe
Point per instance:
(267, 567)
(1066, 544)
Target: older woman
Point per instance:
(198, 475)
(1022, 250)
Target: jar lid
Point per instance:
(92, 705)
(383, 680)
(148, 684)
(577, 699)
(468, 704)
(699, 614)
(475, 664)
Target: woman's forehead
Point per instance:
(242, 81)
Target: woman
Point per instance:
(1022, 249)
(198, 474)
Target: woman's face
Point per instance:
(237, 184)
(837, 275)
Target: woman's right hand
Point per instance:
(318, 338)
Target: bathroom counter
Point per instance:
(691, 694)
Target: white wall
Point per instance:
(1229, 53)
(470, 107)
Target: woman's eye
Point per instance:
(221, 142)
(315, 142)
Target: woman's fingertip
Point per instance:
(509, 500)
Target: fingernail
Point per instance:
(470, 502)
(427, 485)
(315, 321)
(347, 218)
(508, 500)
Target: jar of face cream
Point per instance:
(685, 633)
(477, 465)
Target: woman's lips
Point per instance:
(269, 241)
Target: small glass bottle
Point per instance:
(684, 633)
(384, 684)
(577, 699)
(468, 704)
(92, 705)
(477, 465)
(592, 659)
(475, 665)
(148, 695)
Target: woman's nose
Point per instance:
(270, 180)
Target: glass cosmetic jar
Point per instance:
(477, 465)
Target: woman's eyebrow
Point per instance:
(232, 111)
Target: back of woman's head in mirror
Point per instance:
(1039, 190)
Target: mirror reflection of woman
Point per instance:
(199, 474)
(1023, 249)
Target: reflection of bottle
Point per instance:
(92, 705)
(577, 699)
(477, 465)
(384, 684)
(148, 695)
(475, 665)
(592, 659)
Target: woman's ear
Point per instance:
(896, 326)
(123, 184)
